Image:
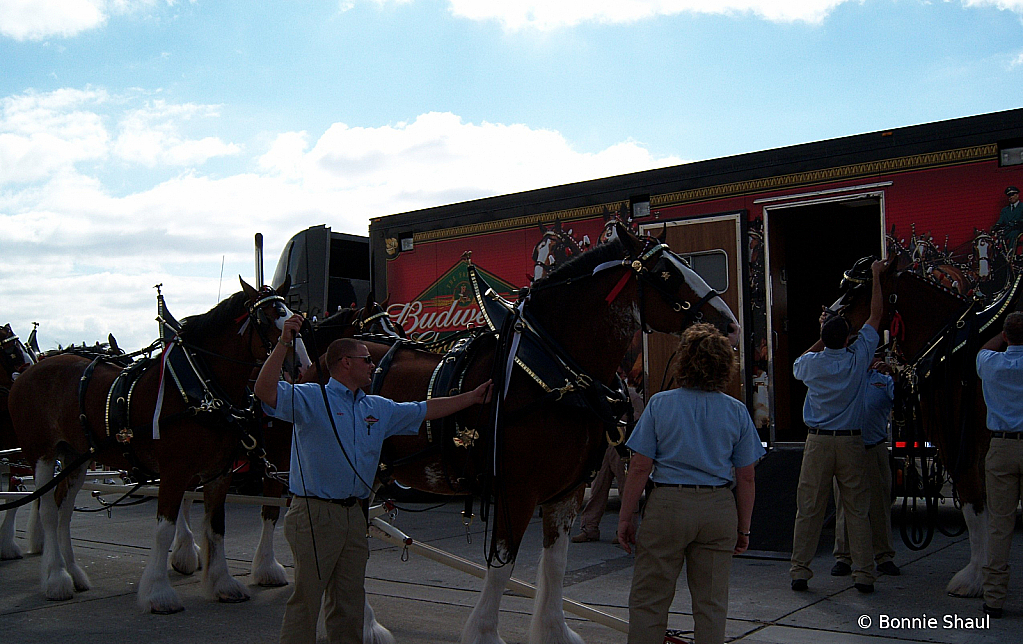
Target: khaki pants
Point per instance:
(1004, 478)
(692, 526)
(341, 551)
(842, 458)
(611, 468)
(879, 482)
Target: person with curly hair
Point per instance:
(695, 443)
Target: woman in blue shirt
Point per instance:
(695, 443)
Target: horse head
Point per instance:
(14, 357)
(373, 318)
(856, 288)
(682, 296)
(268, 312)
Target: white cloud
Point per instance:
(552, 14)
(45, 134)
(1005, 5)
(39, 19)
(82, 261)
(149, 136)
(41, 134)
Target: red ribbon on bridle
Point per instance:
(898, 327)
(618, 287)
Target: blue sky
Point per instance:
(146, 141)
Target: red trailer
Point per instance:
(771, 230)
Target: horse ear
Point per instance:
(283, 289)
(633, 244)
(663, 235)
(248, 290)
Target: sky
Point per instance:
(145, 142)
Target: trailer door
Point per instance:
(713, 247)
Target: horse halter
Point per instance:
(263, 323)
(12, 351)
(665, 278)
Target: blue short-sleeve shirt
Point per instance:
(318, 465)
(1002, 376)
(836, 381)
(877, 407)
(695, 437)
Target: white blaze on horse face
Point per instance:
(701, 289)
(300, 350)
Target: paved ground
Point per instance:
(424, 602)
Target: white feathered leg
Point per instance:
(155, 592)
(217, 581)
(481, 627)
(266, 570)
(9, 549)
(56, 581)
(548, 625)
(34, 532)
(184, 552)
(372, 631)
(67, 508)
(969, 582)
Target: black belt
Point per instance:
(687, 486)
(834, 432)
(349, 502)
(1009, 435)
(876, 444)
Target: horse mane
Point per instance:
(584, 263)
(343, 317)
(196, 327)
(936, 286)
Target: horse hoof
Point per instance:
(233, 599)
(166, 611)
(272, 584)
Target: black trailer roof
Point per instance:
(1002, 128)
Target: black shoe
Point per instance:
(887, 568)
(864, 588)
(841, 569)
(799, 584)
(996, 613)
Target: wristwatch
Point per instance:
(745, 534)
(287, 344)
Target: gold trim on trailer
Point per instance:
(884, 166)
(514, 223)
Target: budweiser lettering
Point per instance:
(429, 323)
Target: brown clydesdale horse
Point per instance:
(197, 441)
(935, 337)
(544, 447)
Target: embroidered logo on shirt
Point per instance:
(370, 421)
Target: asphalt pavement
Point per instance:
(424, 602)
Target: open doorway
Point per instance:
(809, 246)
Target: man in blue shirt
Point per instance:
(1000, 367)
(835, 373)
(877, 409)
(331, 472)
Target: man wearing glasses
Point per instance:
(332, 469)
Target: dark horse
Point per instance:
(935, 337)
(548, 439)
(197, 442)
(14, 358)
